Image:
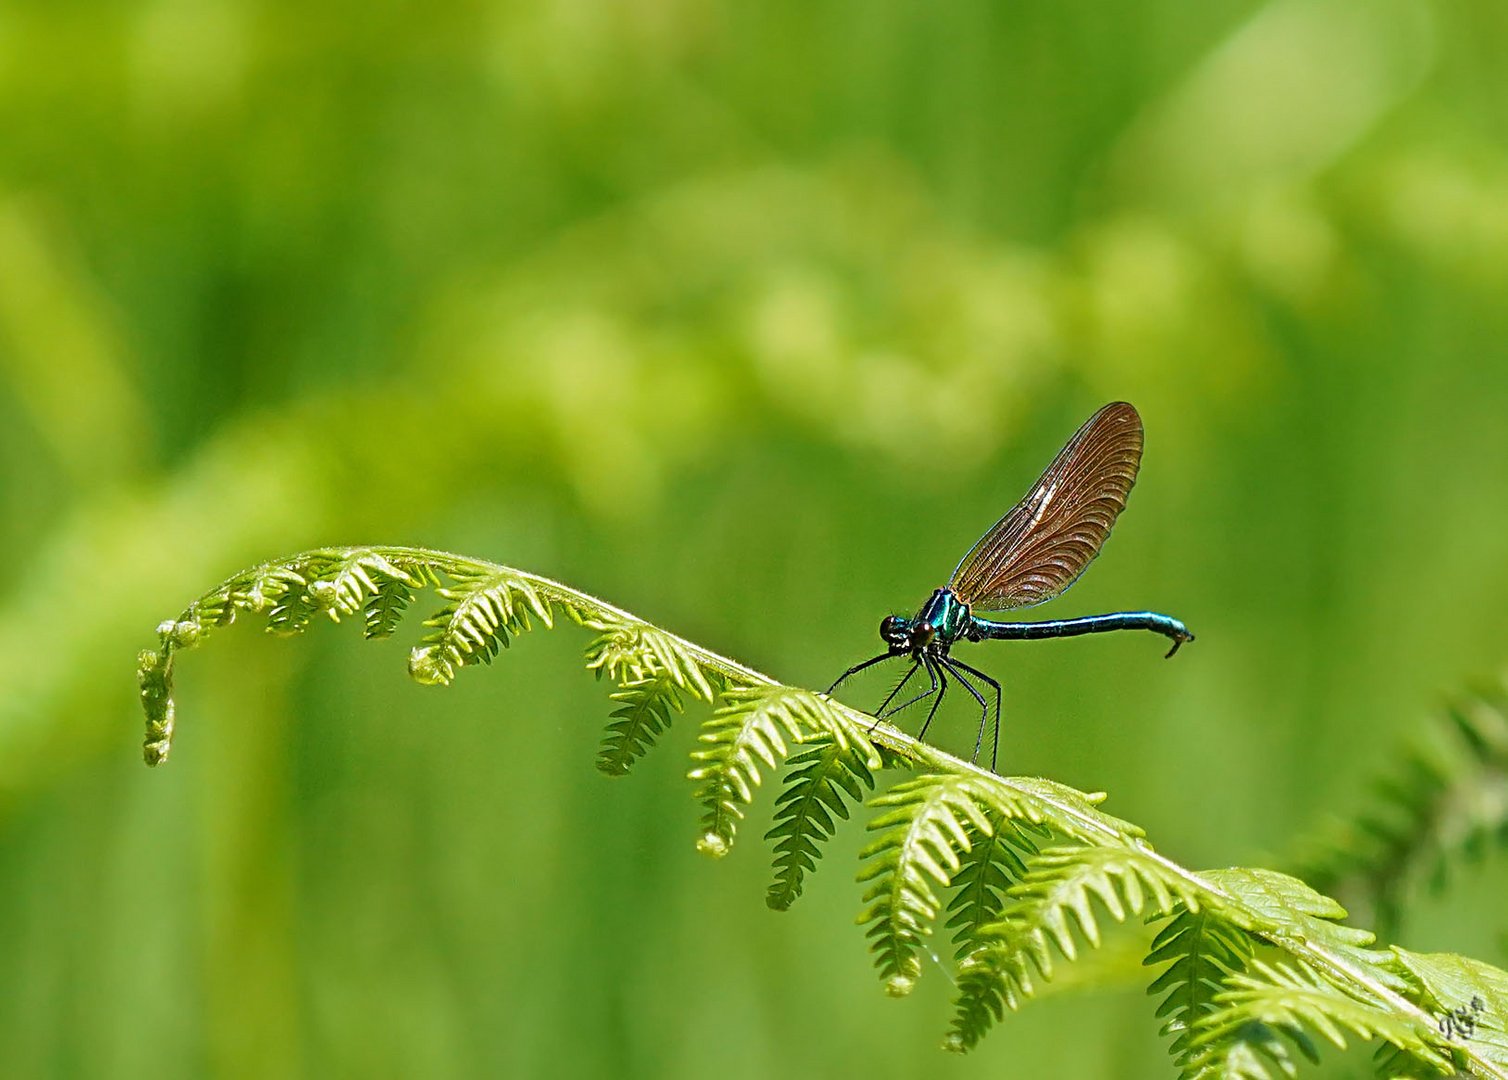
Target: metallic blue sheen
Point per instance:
(1169, 627)
(947, 614)
(945, 620)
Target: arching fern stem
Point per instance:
(930, 827)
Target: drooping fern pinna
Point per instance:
(1254, 967)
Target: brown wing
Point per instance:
(1047, 539)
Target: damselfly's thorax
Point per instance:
(942, 620)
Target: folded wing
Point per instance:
(1047, 539)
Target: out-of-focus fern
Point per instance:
(1033, 872)
(1445, 802)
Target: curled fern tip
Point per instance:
(898, 986)
(154, 677)
(425, 668)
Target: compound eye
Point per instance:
(892, 628)
(923, 634)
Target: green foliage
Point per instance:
(385, 607)
(751, 728)
(924, 824)
(991, 865)
(485, 611)
(1441, 804)
(1453, 985)
(1259, 965)
(644, 712)
(1290, 999)
(629, 652)
(1055, 898)
(823, 780)
(1205, 951)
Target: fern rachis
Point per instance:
(1029, 868)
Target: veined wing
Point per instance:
(1047, 539)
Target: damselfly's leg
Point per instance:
(858, 668)
(984, 710)
(898, 688)
(995, 742)
(883, 712)
(940, 684)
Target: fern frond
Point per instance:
(924, 825)
(1253, 1052)
(629, 651)
(1292, 998)
(644, 711)
(823, 780)
(1075, 814)
(1445, 802)
(154, 679)
(262, 593)
(988, 869)
(385, 607)
(954, 826)
(292, 611)
(485, 612)
(655, 671)
(1204, 950)
(1055, 898)
(1472, 994)
(345, 584)
(750, 728)
(1285, 911)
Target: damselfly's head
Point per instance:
(901, 633)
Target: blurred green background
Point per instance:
(749, 318)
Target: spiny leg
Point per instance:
(984, 709)
(995, 741)
(878, 713)
(939, 679)
(858, 668)
(898, 687)
(924, 694)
